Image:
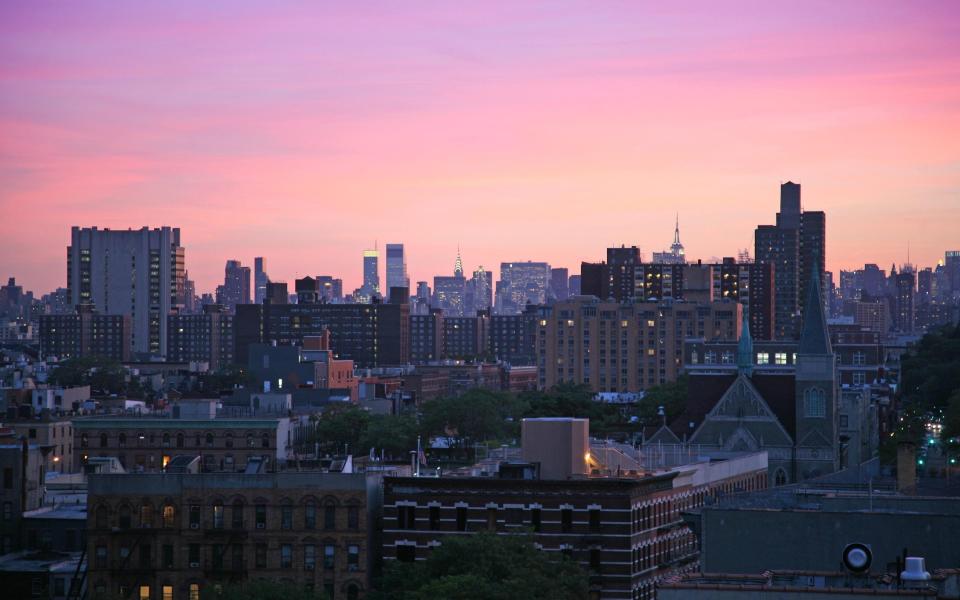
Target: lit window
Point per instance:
(763, 358)
(780, 358)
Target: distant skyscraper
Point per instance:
(951, 267)
(676, 254)
(236, 285)
(191, 303)
(481, 289)
(396, 268)
(371, 273)
(331, 288)
(794, 246)
(139, 273)
(575, 285)
(423, 291)
(560, 283)
(260, 279)
(905, 289)
(520, 283)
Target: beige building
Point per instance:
(627, 347)
(166, 536)
(55, 434)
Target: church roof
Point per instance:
(705, 391)
(814, 338)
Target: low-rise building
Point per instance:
(172, 535)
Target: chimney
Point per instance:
(906, 467)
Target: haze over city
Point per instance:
(306, 133)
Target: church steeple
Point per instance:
(745, 347)
(814, 337)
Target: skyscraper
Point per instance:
(260, 279)
(371, 273)
(396, 268)
(794, 246)
(139, 273)
(676, 254)
(520, 283)
(236, 285)
(560, 283)
(481, 289)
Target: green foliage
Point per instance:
(104, 376)
(476, 416)
(342, 424)
(671, 396)
(258, 589)
(485, 566)
(225, 379)
(930, 385)
(396, 435)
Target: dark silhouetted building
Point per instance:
(86, 333)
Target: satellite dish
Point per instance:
(857, 558)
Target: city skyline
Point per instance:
(515, 132)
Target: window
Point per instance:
(122, 441)
(763, 358)
(260, 514)
(492, 518)
(102, 515)
(406, 553)
(146, 515)
(167, 556)
(236, 521)
(353, 557)
(353, 517)
(260, 556)
(814, 403)
(329, 556)
(265, 441)
(780, 477)
(329, 516)
(594, 519)
(229, 440)
(193, 552)
(434, 517)
(310, 515)
(124, 517)
(286, 556)
(461, 518)
(406, 517)
(194, 516)
(309, 557)
(166, 440)
(179, 440)
(168, 516)
(218, 515)
(167, 592)
(566, 520)
(595, 559)
(286, 516)
(144, 592)
(535, 519)
(101, 557)
(209, 439)
(194, 591)
(103, 440)
(859, 359)
(145, 558)
(83, 440)
(859, 378)
(780, 358)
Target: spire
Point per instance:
(676, 231)
(745, 347)
(814, 338)
(458, 265)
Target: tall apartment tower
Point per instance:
(396, 268)
(260, 279)
(371, 272)
(236, 285)
(794, 246)
(135, 272)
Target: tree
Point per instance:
(485, 566)
(340, 425)
(476, 416)
(671, 396)
(104, 376)
(396, 435)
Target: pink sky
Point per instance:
(304, 132)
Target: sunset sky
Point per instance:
(305, 132)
